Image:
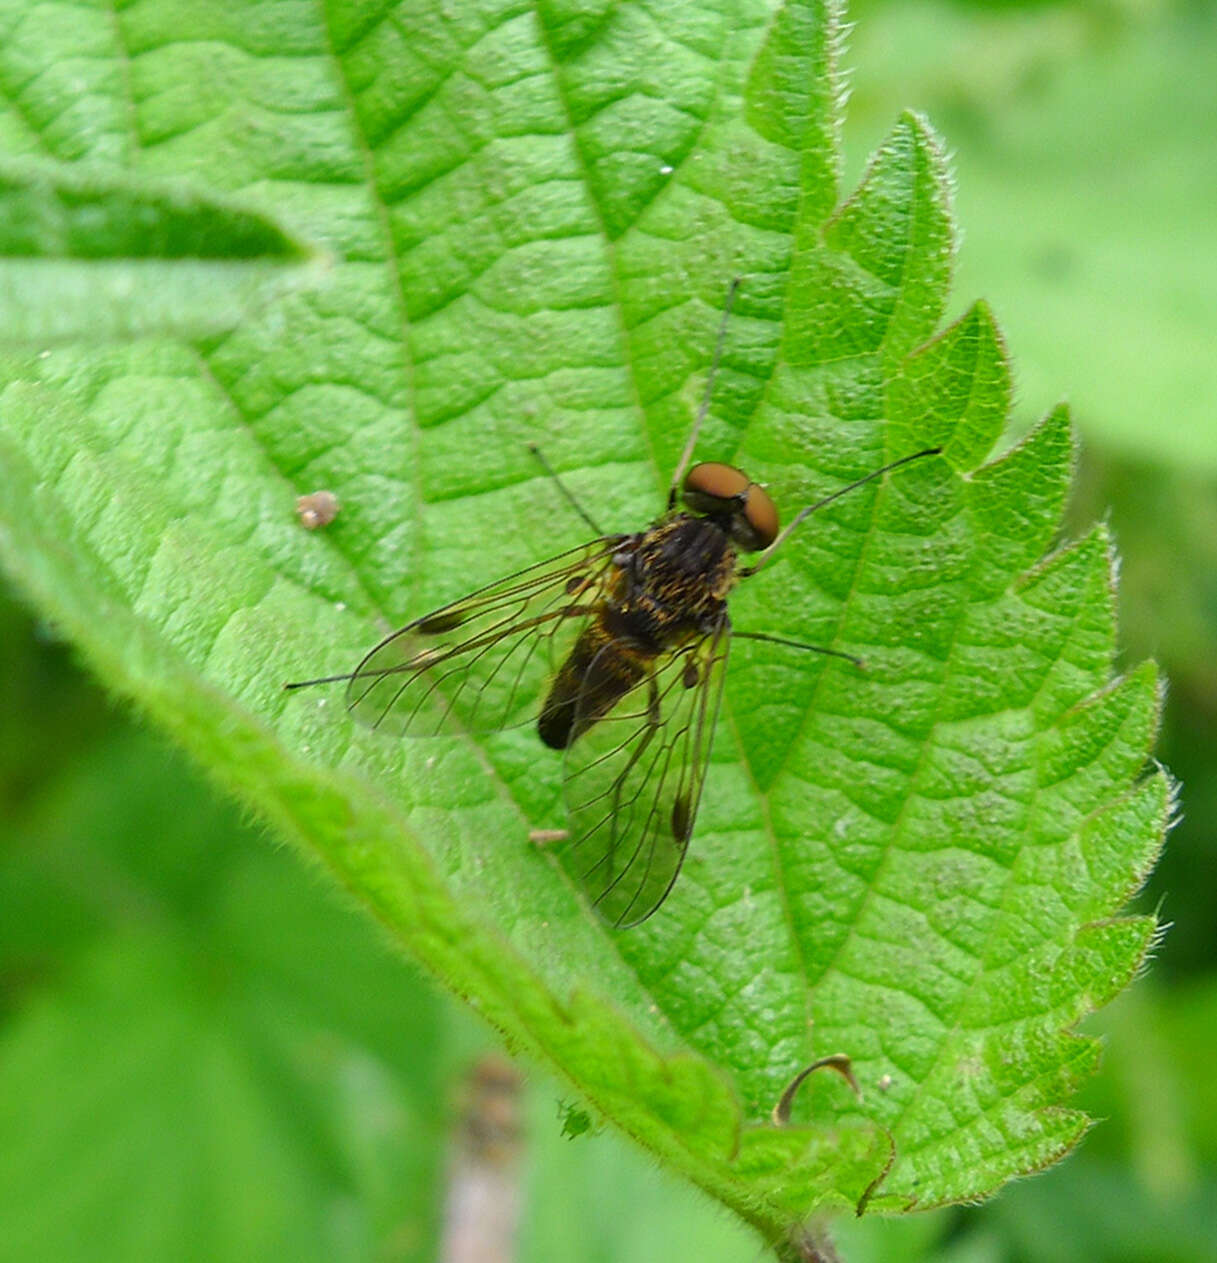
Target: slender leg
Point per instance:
(799, 644)
(562, 487)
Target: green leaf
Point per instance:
(211, 1061)
(99, 254)
(919, 864)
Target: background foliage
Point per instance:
(123, 924)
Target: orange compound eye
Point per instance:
(716, 482)
(762, 516)
(722, 491)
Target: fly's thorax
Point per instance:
(689, 557)
(674, 582)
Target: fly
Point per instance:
(626, 640)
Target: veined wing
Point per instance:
(634, 780)
(481, 663)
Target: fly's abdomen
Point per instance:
(598, 673)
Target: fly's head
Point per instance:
(730, 499)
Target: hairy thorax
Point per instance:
(674, 582)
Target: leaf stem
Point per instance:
(808, 1244)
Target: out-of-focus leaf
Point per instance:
(203, 1057)
(1083, 144)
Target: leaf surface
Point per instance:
(537, 210)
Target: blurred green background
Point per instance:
(205, 1054)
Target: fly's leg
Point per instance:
(860, 663)
(563, 488)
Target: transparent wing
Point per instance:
(481, 663)
(634, 779)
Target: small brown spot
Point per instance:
(691, 675)
(444, 621)
(682, 821)
(317, 509)
(576, 583)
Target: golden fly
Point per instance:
(623, 643)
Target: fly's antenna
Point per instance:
(687, 455)
(836, 495)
